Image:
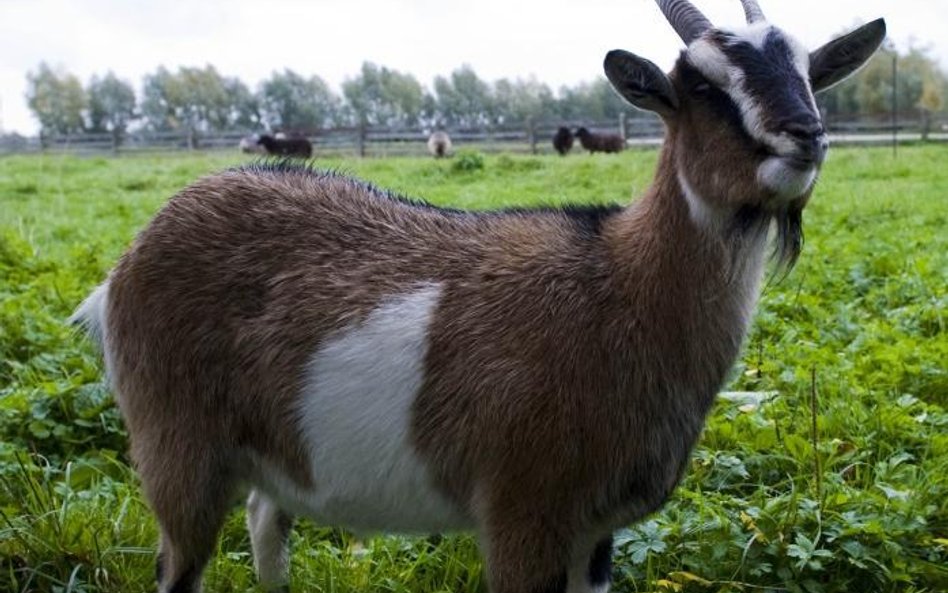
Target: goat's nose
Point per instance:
(804, 128)
(810, 137)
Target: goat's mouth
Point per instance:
(801, 162)
(788, 176)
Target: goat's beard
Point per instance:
(787, 222)
(788, 240)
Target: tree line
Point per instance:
(202, 100)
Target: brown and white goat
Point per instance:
(539, 376)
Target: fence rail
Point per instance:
(524, 137)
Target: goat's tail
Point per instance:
(91, 314)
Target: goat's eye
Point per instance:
(701, 88)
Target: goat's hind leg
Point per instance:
(191, 496)
(269, 528)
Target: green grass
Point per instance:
(854, 338)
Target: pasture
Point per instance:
(830, 474)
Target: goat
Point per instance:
(538, 375)
(563, 141)
(439, 144)
(293, 147)
(600, 142)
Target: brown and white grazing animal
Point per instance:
(439, 144)
(250, 145)
(293, 147)
(539, 376)
(563, 140)
(594, 142)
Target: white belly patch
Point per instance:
(355, 415)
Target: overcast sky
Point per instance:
(559, 42)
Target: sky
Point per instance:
(557, 41)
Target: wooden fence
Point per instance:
(378, 142)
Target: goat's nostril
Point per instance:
(804, 130)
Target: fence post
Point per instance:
(363, 133)
(532, 134)
(622, 125)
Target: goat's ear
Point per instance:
(839, 58)
(641, 82)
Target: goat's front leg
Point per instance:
(526, 551)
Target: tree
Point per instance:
(158, 106)
(204, 102)
(595, 101)
(292, 102)
(379, 96)
(197, 100)
(111, 105)
(930, 102)
(464, 99)
(244, 105)
(920, 84)
(522, 101)
(57, 99)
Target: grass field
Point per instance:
(835, 481)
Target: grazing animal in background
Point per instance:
(294, 147)
(540, 375)
(439, 144)
(600, 142)
(249, 145)
(563, 140)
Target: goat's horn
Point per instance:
(687, 20)
(752, 11)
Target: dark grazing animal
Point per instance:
(537, 375)
(563, 140)
(594, 142)
(294, 147)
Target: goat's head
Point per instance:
(739, 106)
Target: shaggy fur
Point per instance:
(563, 141)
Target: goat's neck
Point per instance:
(692, 290)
